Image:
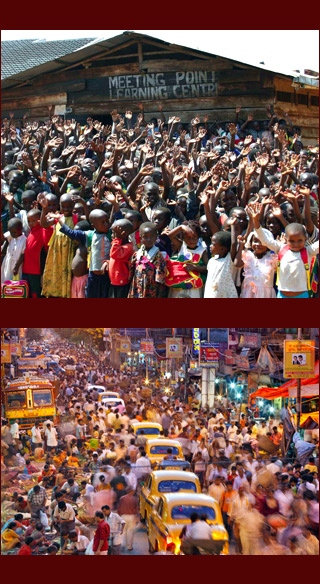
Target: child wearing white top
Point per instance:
(294, 256)
(13, 250)
(219, 283)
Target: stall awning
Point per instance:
(309, 388)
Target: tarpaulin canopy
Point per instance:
(307, 418)
(309, 387)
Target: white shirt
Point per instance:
(14, 429)
(116, 523)
(67, 515)
(15, 248)
(51, 437)
(219, 283)
(292, 273)
(81, 544)
(200, 530)
(36, 435)
(142, 467)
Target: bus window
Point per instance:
(17, 399)
(42, 397)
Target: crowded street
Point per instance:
(160, 441)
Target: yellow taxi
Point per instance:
(165, 481)
(172, 513)
(157, 450)
(150, 429)
(108, 395)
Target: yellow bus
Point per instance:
(30, 399)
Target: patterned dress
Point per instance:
(192, 287)
(147, 269)
(57, 274)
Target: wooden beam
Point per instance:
(99, 55)
(140, 53)
(177, 49)
(35, 101)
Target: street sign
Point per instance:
(125, 345)
(147, 346)
(250, 340)
(173, 348)
(298, 359)
(196, 340)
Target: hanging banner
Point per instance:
(15, 349)
(147, 346)
(5, 353)
(173, 348)
(298, 359)
(125, 345)
(196, 340)
(250, 340)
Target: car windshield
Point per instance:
(184, 511)
(17, 399)
(148, 431)
(176, 486)
(164, 449)
(42, 397)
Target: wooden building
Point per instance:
(130, 68)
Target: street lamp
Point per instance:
(238, 395)
(232, 385)
(271, 409)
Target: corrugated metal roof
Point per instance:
(22, 55)
(57, 55)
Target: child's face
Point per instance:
(216, 248)
(273, 224)
(241, 216)
(148, 238)
(101, 224)
(190, 237)
(205, 229)
(66, 208)
(134, 220)
(78, 209)
(27, 202)
(15, 183)
(52, 204)
(296, 241)
(16, 231)
(257, 247)
(228, 200)
(33, 221)
(160, 220)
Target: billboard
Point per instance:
(298, 359)
(173, 348)
(5, 353)
(209, 355)
(147, 346)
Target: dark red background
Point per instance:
(159, 15)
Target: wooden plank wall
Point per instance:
(250, 88)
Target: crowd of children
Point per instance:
(159, 209)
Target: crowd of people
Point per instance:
(157, 208)
(73, 487)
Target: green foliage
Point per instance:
(92, 337)
(34, 334)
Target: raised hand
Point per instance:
(262, 160)
(146, 170)
(232, 129)
(42, 200)
(195, 121)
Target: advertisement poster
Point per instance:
(125, 345)
(298, 359)
(146, 346)
(173, 348)
(5, 353)
(15, 349)
(209, 356)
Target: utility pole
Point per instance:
(146, 358)
(299, 390)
